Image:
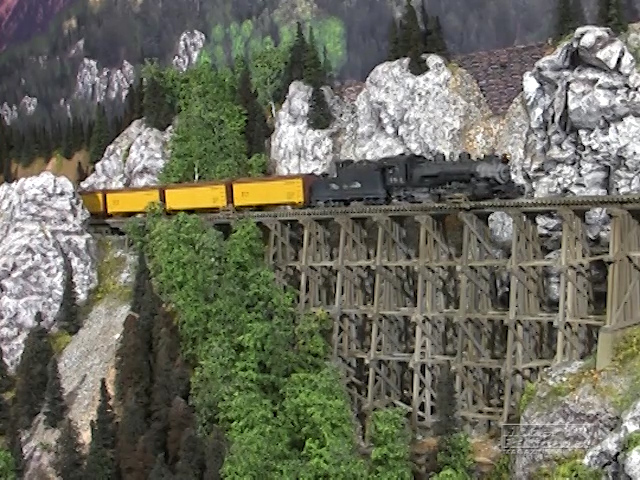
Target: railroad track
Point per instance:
(525, 205)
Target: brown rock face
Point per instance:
(21, 19)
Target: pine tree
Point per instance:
(68, 318)
(192, 461)
(435, 39)
(67, 140)
(158, 103)
(99, 136)
(313, 73)
(161, 470)
(256, 129)
(394, 48)
(6, 382)
(567, 17)
(68, 462)
(411, 40)
(101, 462)
(446, 403)
(55, 408)
(616, 20)
(32, 375)
(77, 134)
(320, 116)
(294, 68)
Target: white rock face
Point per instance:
(97, 84)
(41, 219)
(396, 112)
(10, 113)
(189, 47)
(134, 159)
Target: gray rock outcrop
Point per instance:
(41, 219)
(134, 159)
(190, 45)
(395, 112)
(98, 84)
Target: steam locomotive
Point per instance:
(415, 179)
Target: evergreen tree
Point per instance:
(67, 149)
(411, 40)
(161, 470)
(14, 443)
(6, 382)
(320, 116)
(32, 375)
(294, 68)
(192, 462)
(567, 17)
(394, 47)
(435, 39)
(99, 136)
(616, 20)
(101, 462)
(68, 462)
(68, 318)
(446, 403)
(256, 129)
(158, 101)
(313, 73)
(55, 408)
(326, 66)
(77, 134)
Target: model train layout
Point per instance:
(401, 178)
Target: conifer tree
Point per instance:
(411, 40)
(616, 20)
(319, 116)
(256, 129)
(6, 382)
(394, 47)
(158, 102)
(68, 462)
(32, 375)
(99, 136)
(435, 38)
(294, 68)
(67, 141)
(313, 73)
(77, 134)
(161, 470)
(55, 408)
(101, 462)
(567, 17)
(67, 317)
(192, 462)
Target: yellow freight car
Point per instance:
(131, 200)
(94, 202)
(199, 196)
(270, 191)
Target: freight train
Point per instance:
(401, 178)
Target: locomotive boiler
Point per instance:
(415, 179)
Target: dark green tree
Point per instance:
(99, 136)
(411, 40)
(68, 318)
(435, 42)
(55, 408)
(67, 149)
(77, 134)
(141, 284)
(394, 46)
(32, 375)
(161, 470)
(158, 101)
(192, 462)
(256, 129)
(320, 116)
(313, 73)
(611, 14)
(294, 67)
(567, 17)
(101, 462)
(68, 462)
(6, 381)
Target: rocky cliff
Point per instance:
(42, 220)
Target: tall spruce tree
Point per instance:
(55, 408)
(394, 41)
(611, 14)
(32, 375)
(294, 67)
(158, 100)
(319, 116)
(256, 129)
(411, 40)
(161, 470)
(68, 318)
(313, 73)
(67, 140)
(68, 462)
(99, 136)
(192, 461)
(101, 461)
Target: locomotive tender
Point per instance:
(401, 178)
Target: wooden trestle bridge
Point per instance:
(413, 287)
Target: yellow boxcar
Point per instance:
(269, 191)
(196, 196)
(131, 201)
(94, 202)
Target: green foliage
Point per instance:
(55, 408)
(69, 461)
(260, 368)
(570, 466)
(159, 103)
(454, 452)
(631, 442)
(208, 142)
(527, 396)
(390, 458)
(502, 470)
(568, 17)
(451, 474)
(7, 466)
(68, 318)
(100, 136)
(110, 267)
(319, 116)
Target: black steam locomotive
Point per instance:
(415, 179)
